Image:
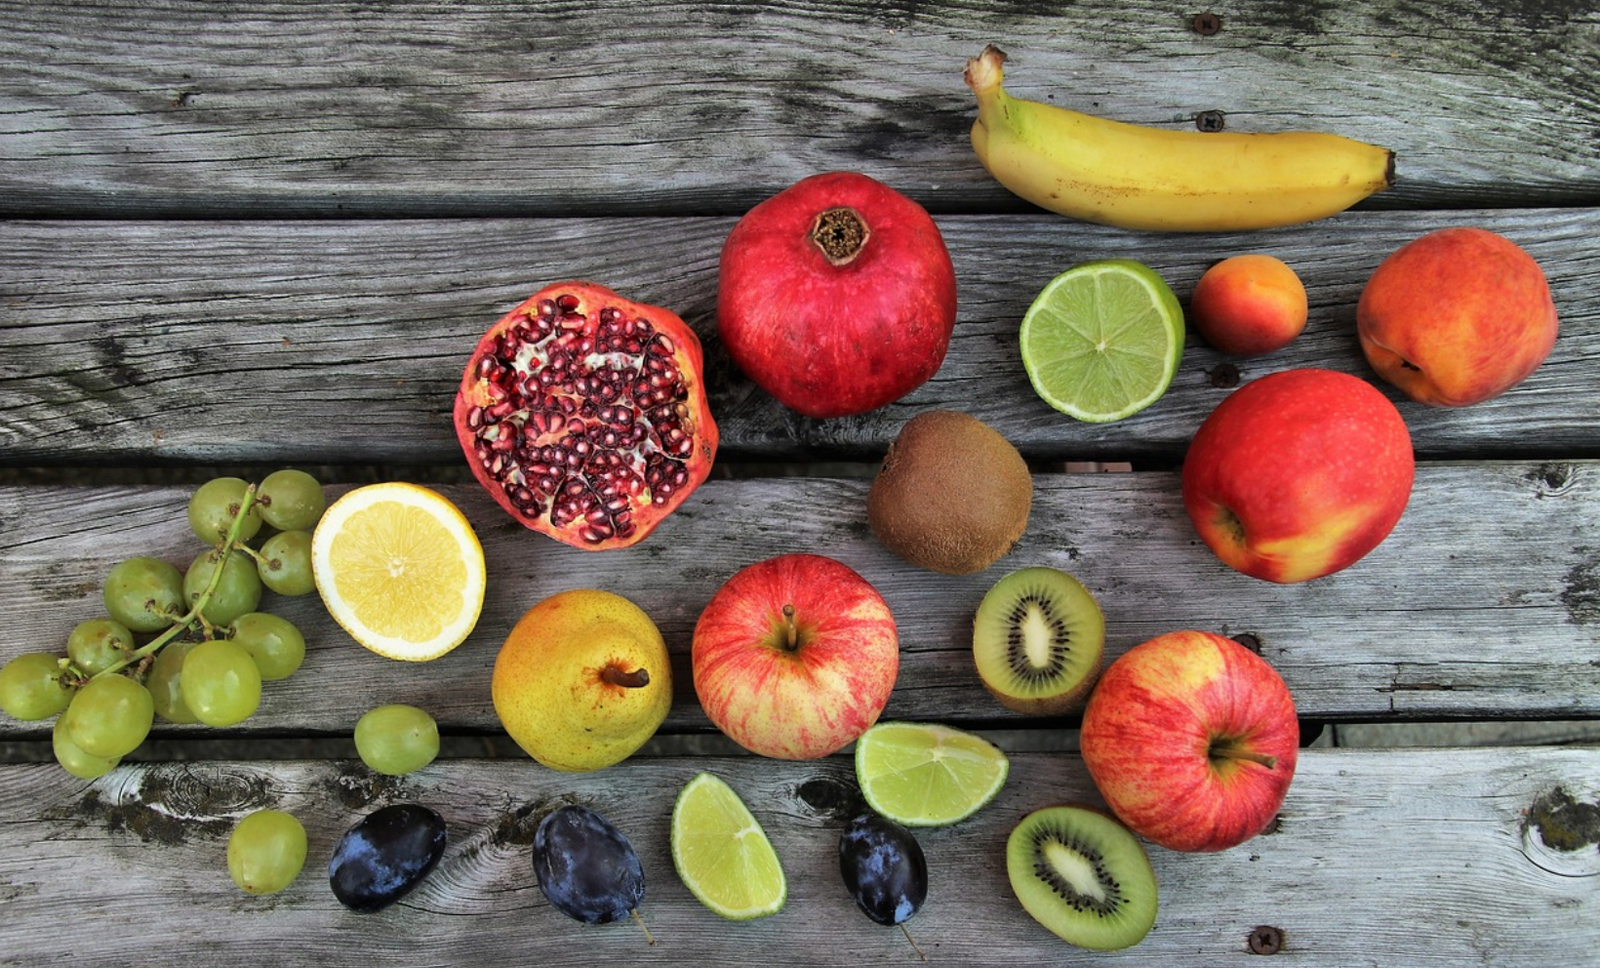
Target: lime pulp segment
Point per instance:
(721, 853)
(1102, 340)
(926, 774)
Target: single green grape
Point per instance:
(220, 683)
(266, 851)
(285, 563)
(213, 507)
(273, 641)
(397, 739)
(31, 688)
(111, 715)
(238, 590)
(97, 644)
(144, 594)
(291, 500)
(165, 683)
(73, 759)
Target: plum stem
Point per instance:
(640, 921)
(912, 941)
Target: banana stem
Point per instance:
(983, 75)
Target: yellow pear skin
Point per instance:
(582, 681)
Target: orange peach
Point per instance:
(1249, 305)
(1456, 317)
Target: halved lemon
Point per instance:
(400, 568)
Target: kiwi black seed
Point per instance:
(1038, 638)
(952, 495)
(1083, 875)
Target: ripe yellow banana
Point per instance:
(1139, 177)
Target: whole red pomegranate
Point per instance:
(585, 416)
(836, 295)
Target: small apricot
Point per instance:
(1249, 305)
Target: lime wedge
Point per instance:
(722, 855)
(927, 775)
(1102, 340)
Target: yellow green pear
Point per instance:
(582, 680)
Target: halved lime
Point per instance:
(722, 855)
(1102, 340)
(926, 774)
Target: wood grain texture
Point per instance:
(344, 341)
(1425, 857)
(494, 108)
(1483, 603)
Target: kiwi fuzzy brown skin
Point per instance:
(999, 646)
(952, 494)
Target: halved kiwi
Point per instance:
(1038, 639)
(1084, 876)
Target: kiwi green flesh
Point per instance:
(1037, 640)
(1084, 876)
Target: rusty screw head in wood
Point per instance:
(1210, 121)
(1266, 940)
(1205, 24)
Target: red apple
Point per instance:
(1249, 305)
(1191, 738)
(1456, 317)
(836, 295)
(1298, 474)
(795, 656)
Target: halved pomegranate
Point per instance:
(584, 414)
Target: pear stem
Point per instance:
(791, 634)
(617, 676)
(1232, 753)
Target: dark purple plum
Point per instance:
(386, 854)
(884, 868)
(586, 867)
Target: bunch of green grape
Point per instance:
(188, 646)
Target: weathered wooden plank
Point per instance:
(1484, 602)
(337, 342)
(1423, 858)
(494, 108)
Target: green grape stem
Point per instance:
(186, 621)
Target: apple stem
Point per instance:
(617, 676)
(1231, 753)
(791, 634)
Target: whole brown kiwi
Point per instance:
(952, 494)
